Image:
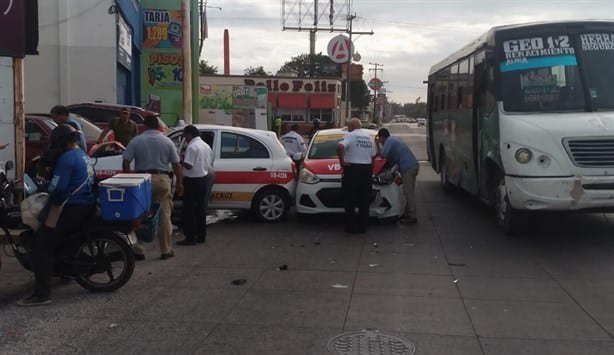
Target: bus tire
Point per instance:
(510, 220)
(445, 184)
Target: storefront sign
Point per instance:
(161, 59)
(13, 28)
(295, 85)
(124, 43)
(162, 28)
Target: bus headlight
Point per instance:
(308, 177)
(523, 155)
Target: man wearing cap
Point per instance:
(59, 114)
(153, 153)
(397, 152)
(356, 151)
(196, 164)
(122, 127)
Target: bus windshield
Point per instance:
(540, 74)
(597, 61)
(543, 74)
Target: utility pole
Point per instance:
(376, 67)
(349, 64)
(186, 55)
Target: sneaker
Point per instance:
(167, 256)
(34, 300)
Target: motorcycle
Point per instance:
(98, 257)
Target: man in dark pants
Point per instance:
(356, 152)
(71, 188)
(196, 166)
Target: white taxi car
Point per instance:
(319, 187)
(252, 170)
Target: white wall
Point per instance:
(7, 133)
(77, 60)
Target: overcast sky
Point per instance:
(409, 35)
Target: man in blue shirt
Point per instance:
(397, 152)
(70, 191)
(60, 115)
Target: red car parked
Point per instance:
(101, 114)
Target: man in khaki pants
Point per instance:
(153, 153)
(397, 152)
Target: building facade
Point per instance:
(89, 50)
(295, 100)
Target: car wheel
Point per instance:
(270, 205)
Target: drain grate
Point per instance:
(371, 342)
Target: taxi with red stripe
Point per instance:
(252, 170)
(319, 186)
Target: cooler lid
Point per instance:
(132, 176)
(121, 182)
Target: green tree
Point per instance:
(359, 94)
(258, 71)
(206, 69)
(306, 65)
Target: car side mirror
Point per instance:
(9, 165)
(297, 156)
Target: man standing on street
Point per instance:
(356, 152)
(152, 153)
(196, 167)
(294, 143)
(397, 152)
(59, 114)
(122, 127)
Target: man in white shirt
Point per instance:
(356, 152)
(196, 165)
(294, 143)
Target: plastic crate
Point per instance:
(149, 227)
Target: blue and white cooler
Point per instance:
(124, 198)
(145, 177)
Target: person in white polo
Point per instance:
(356, 152)
(196, 165)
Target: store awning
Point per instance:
(322, 101)
(292, 101)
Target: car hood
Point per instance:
(332, 166)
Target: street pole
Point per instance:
(187, 62)
(194, 54)
(19, 119)
(347, 73)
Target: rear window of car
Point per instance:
(237, 146)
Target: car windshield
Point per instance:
(324, 146)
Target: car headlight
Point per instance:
(308, 177)
(523, 155)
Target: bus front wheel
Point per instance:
(511, 220)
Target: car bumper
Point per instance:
(561, 193)
(326, 197)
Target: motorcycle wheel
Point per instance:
(103, 263)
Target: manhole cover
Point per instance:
(370, 342)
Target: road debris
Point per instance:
(239, 282)
(338, 286)
(283, 267)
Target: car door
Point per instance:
(243, 164)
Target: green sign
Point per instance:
(161, 59)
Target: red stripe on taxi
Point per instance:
(255, 177)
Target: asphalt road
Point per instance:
(452, 284)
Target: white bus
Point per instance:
(523, 118)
